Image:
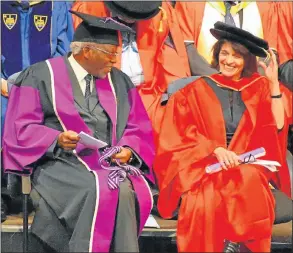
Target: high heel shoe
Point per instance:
(232, 247)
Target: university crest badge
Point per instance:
(9, 20)
(40, 22)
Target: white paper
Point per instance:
(266, 162)
(90, 141)
(151, 222)
(270, 165)
(271, 168)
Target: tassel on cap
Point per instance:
(268, 56)
(163, 17)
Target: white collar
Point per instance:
(79, 71)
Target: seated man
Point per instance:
(148, 57)
(83, 206)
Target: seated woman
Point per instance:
(215, 119)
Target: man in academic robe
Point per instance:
(155, 55)
(83, 206)
(32, 31)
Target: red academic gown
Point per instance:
(237, 204)
(288, 105)
(284, 12)
(276, 23)
(161, 63)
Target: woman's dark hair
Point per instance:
(250, 63)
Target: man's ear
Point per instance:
(86, 52)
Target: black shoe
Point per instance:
(3, 211)
(232, 247)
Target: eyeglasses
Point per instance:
(248, 159)
(102, 50)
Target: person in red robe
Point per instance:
(213, 120)
(270, 20)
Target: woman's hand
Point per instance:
(271, 72)
(227, 159)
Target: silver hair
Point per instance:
(77, 46)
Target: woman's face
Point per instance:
(231, 63)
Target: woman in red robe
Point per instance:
(215, 119)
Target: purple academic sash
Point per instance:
(107, 200)
(11, 38)
(40, 34)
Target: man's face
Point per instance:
(99, 59)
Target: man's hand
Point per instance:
(68, 140)
(123, 156)
(4, 88)
(227, 159)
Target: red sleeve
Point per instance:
(285, 29)
(190, 15)
(277, 24)
(273, 141)
(269, 20)
(287, 100)
(183, 151)
(181, 145)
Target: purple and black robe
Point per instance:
(47, 100)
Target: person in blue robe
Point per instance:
(32, 31)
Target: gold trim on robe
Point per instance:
(31, 3)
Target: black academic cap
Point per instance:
(255, 45)
(135, 10)
(98, 30)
